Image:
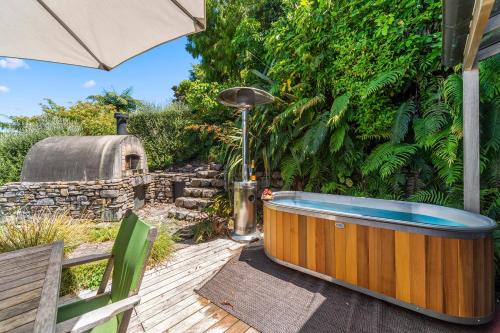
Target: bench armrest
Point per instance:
(97, 317)
(85, 259)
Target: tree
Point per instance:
(123, 102)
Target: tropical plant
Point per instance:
(122, 102)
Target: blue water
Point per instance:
(366, 211)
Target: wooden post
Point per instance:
(471, 139)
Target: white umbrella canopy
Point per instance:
(94, 33)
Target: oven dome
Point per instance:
(84, 158)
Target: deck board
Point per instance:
(168, 298)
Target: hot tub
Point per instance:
(431, 259)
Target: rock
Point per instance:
(45, 202)
(110, 193)
(64, 192)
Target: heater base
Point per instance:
(246, 238)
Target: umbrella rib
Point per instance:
(185, 11)
(73, 34)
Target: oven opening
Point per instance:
(132, 163)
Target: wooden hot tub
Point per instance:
(431, 259)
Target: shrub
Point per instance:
(216, 223)
(164, 134)
(15, 143)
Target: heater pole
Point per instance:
(244, 131)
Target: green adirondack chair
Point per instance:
(110, 311)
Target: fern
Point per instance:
(492, 130)
(431, 196)
(401, 121)
(339, 107)
(388, 158)
(453, 92)
(290, 168)
(337, 139)
(382, 80)
(314, 137)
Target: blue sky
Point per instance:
(24, 84)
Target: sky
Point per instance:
(25, 83)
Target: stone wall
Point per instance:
(105, 199)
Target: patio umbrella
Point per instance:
(94, 33)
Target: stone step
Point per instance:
(208, 174)
(185, 214)
(206, 182)
(192, 203)
(201, 192)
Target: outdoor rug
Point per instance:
(272, 298)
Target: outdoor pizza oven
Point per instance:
(84, 158)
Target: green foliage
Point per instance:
(165, 134)
(217, 219)
(15, 143)
(93, 118)
(163, 247)
(363, 104)
(121, 102)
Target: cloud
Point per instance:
(89, 84)
(12, 63)
(4, 89)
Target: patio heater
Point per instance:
(245, 191)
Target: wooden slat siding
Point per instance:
(279, 234)
(375, 259)
(294, 239)
(450, 276)
(286, 237)
(480, 291)
(402, 248)
(388, 274)
(320, 246)
(302, 241)
(447, 275)
(311, 243)
(330, 248)
(489, 276)
(351, 253)
(434, 268)
(466, 278)
(267, 229)
(363, 257)
(272, 216)
(340, 253)
(418, 275)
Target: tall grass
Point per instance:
(20, 231)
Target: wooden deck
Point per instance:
(168, 301)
